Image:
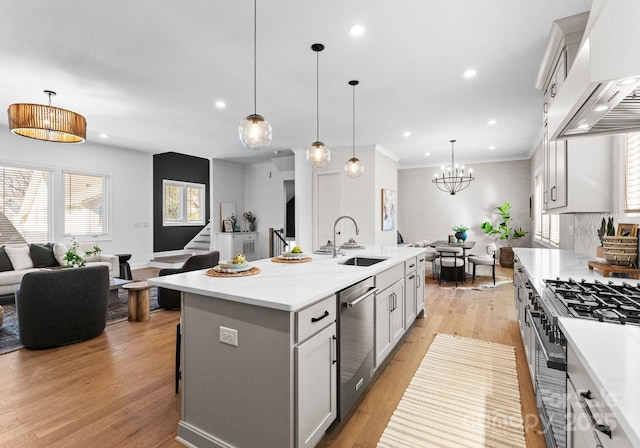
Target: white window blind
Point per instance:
(86, 205)
(183, 203)
(632, 183)
(24, 205)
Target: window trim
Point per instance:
(184, 222)
(107, 206)
(635, 137)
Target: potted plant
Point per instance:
(251, 219)
(506, 231)
(461, 232)
(606, 229)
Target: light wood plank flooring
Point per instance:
(117, 390)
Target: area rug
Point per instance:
(482, 282)
(10, 338)
(464, 394)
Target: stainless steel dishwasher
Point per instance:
(355, 340)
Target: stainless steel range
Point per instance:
(597, 301)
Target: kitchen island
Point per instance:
(260, 352)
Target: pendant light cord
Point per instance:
(317, 96)
(255, 58)
(354, 121)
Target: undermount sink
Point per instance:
(362, 261)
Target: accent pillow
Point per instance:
(59, 251)
(42, 255)
(20, 258)
(5, 263)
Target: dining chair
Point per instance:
(429, 256)
(450, 260)
(488, 259)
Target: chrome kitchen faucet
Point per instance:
(334, 231)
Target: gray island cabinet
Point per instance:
(259, 364)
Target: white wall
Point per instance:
(426, 213)
(265, 197)
(131, 175)
(227, 185)
(360, 197)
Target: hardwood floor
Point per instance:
(117, 390)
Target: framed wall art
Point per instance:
(388, 209)
(627, 230)
(228, 225)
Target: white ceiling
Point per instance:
(148, 72)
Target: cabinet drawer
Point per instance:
(421, 259)
(410, 265)
(390, 276)
(314, 318)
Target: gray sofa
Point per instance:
(62, 306)
(44, 256)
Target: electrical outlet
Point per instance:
(229, 336)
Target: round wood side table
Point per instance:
(139, 301)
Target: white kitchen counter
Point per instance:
(611, 355)
(289, 286)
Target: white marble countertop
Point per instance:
(611, 355)
(544, 264)
(289, 286)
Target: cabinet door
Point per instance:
(384, 305)
(559, 193)
(410, 302)
(420, 291)
(316, 386)
(397, 313)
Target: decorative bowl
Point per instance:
(293, 256)
(229, 264)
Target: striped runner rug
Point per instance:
(464, 394)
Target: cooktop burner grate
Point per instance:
(598, 301)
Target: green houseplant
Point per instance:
(505, 231)
(460, 231)
(76, 257)
(606, 229)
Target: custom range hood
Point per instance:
(601, 94)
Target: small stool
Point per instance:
(139, 301)
(125, 269)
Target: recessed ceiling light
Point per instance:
(277, 151)
(427, 154)
(104, 136)
(491, 122)
(470, 73)
(356, 29)
(600, 108)
(492, 147)
(407, 134)
(221, 104)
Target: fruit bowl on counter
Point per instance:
(238, 264)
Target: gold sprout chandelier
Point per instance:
(452, 179)
(47, 123)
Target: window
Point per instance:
(86, 205)
(547, 226)
(632, 178)
(183, 203)
(25, 195)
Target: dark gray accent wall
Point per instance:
(184, 168)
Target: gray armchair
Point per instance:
(62, 306)
(170, 298)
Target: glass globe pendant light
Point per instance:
(254, 131)
(354, 167)
(318, 154)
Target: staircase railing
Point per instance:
(277, 243)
